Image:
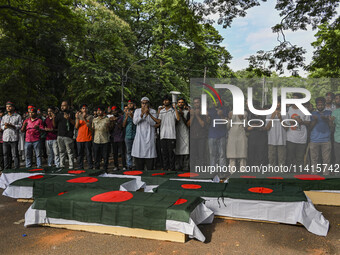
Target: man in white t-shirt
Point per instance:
(276, 137)
(168, 116)
(297, 136)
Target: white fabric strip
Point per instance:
(7, 178)
(283, 212)
(201, 215)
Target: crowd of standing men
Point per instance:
(67, 137)
(149, 139)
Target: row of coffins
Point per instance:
(171, 201)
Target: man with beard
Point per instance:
(101, 141)
(130, 131)
(168, 117)
(117, 137)
(84, 137)
(182, 137)
(32, 127)
(297, 135)
(64, 122)
(277, 137)
(336, 122)
(330, 106)
(51, 139)
(197, 123)
(321, 134)
(144, 147)
(11, 124)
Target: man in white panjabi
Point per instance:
(144, 147)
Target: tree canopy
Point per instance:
(85, 50)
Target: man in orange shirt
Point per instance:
(84, 138)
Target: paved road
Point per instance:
(223, 237)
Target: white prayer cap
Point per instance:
(145, 99)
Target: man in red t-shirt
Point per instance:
(84, 138)
(32, 126)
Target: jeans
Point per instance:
(167, 147)
(101, 150)
(52, 151)
(217, 151)
(66, 145)
(29, 147)
(128, 144)
(87, 146)
(11, 148)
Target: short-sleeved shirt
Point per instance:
(101, 130)
(168, 123)
(84, 132)
(336, 114)
(277, 135)
(321, 132)
(297, 134)
(50, 135)
(32, 134)
(130, 129)
(64, 126)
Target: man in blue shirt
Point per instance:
(321, 134)
(217, 136)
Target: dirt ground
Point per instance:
(223, 237)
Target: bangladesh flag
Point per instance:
(304, 181)
(54, 170)
(192, 188)
(24, 170)
(277, 192)
(31, 180)
(119, 208)
(58, 184)
(153, 177)
(82, 172)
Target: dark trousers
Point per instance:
(85, 147)
(1, 157)
(167, 147)
(101, 151)
(182, 162)
(115, 147)
(197, 152)
(8, 149)
(296, 153)
(142, 162)
(257, 148)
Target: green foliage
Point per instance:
(326, 59)
(84, 50)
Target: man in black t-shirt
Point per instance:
(64, 123)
